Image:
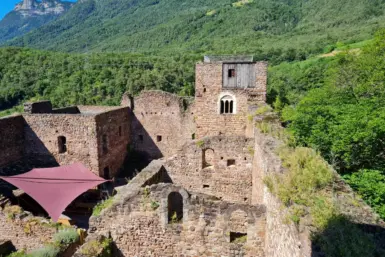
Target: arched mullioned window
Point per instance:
(227, 105)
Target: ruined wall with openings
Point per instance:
(209, 91)
(76, 133)
(161, 122)
(113, 136)
(219, 166)
(139, 225)
(11, 139)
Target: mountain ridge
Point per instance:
(30, 14)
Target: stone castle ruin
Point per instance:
(202, 193)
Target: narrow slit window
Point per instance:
(141, 138)
(62, 144)
(120, 131)
(159, 138)
(104, 144)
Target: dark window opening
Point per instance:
(206, 186)
(231, 73)
(193, 136)
(158, 138)
(245, 199)
(62, 144)
(104, 144)
(204, 90)
(230, 162)
(175, 207)
(141, 138)
(120, 131)
(106, 173)
(227, 106)
(207, 158)
(238, 238)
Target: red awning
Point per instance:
(55, 188)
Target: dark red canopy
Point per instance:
(55, 188)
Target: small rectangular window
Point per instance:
(141, 138)
(206, 186)
(231, 73)
(158, 138)
(238, 238)
(230, 162)
(120, 131)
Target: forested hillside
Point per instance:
(276, 30)
(88, 79)
(337, 106)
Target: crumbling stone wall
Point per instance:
(139, 225)
(161, 122)
(115, 127)
(26, 232)
(208, 92)
(219, 166)
(43, 130)
(11, 139)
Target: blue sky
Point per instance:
(7, 5)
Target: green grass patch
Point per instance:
(102, 205)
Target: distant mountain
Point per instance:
(289, 29)
(30, 14)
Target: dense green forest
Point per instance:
(337, 106)
(274, 30)
(88, 79)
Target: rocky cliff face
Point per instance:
(30, 14)
(45, 7)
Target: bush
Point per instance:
(47, 251)
(66, 237)
(96, 247)
(370, 184)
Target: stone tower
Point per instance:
(227, 88)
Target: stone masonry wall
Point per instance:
(161, 123)
(115, 125)
(219, 166)
(42, 132)
(282, 237)
(11, 139)
(140, 229)
(208, 91)
(25, 233)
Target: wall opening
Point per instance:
(104, 144)
(175, 207)
(227, 105)
(193, 136)
(62, 144)
(207, 158)
(158, 138)
(231, 73)
(106, 173)
(238, 238)
(120, 131)
(230, 162)
(206, 186)
(141, 138)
